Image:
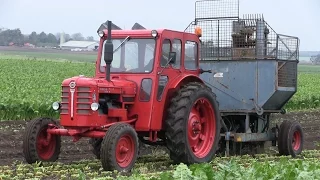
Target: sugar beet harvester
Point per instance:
(153, 87)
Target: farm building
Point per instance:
(79, 45)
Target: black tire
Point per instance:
(108, 151)
(291, 131)
(35, 129)
(282, 138)
(96, 146)
(177, 123)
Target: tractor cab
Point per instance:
(146, 66)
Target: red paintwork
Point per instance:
(296, 140)
(126, 88)
(150, 114)
(46, 145)
(201, 128)
(125, 151)
(76, 132)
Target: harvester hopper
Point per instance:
(254, 69)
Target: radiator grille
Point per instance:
(65, 100)
(287, 74)
(82, 100)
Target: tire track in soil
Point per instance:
(11, 133)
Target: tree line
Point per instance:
(15, 36)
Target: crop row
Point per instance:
(308, 96)
(306, 166)
(28, 87)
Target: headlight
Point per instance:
(56, 106)
(94, 106)
(100, 33)
(154, 33)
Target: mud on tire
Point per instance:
(96, 146)
(35, 145)
(193, 119)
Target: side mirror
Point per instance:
(172, 57)
(108, 47)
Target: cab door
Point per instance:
(166, 72)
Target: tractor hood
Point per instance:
(118, 86)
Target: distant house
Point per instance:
(79, 45)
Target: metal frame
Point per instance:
(220, 41)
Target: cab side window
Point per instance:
(191, 55)
(176, 47)
(166, 47)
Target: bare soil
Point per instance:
(11, 133)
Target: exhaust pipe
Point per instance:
(108, 52)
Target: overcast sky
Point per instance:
(293, 17)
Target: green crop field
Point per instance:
(264, 167)
(49, 54)
(29, 87)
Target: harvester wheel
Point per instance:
(119, 148)
(193, 124)
(291, 138)
(96, 145)
(38, 145)
(281, 143)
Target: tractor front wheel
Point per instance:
(119, 148)
(193, 125)
(291, 138)
(38, 145)
(96, 146)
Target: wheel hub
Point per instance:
(45, 144)
(296, 140)
(201, 128)
(196, 127)
(125, 151)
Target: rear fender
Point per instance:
(177, 83)
(174, 87)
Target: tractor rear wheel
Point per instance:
(193, 124)
(38, 145)
(119, 148)
(291, 138)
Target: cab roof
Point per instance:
(137, 33)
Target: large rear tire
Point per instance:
(193, 124)
(291, 138)
(36, 144)
(119, 148)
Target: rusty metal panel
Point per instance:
(287, 71)
(254, 137)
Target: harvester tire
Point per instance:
(35, 144)
(193, 124)
(119, 148)
(281, 141)
(291, 138)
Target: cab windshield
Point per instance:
(134, 56)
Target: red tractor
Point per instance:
(147, 87)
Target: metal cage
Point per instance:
(226, 36)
